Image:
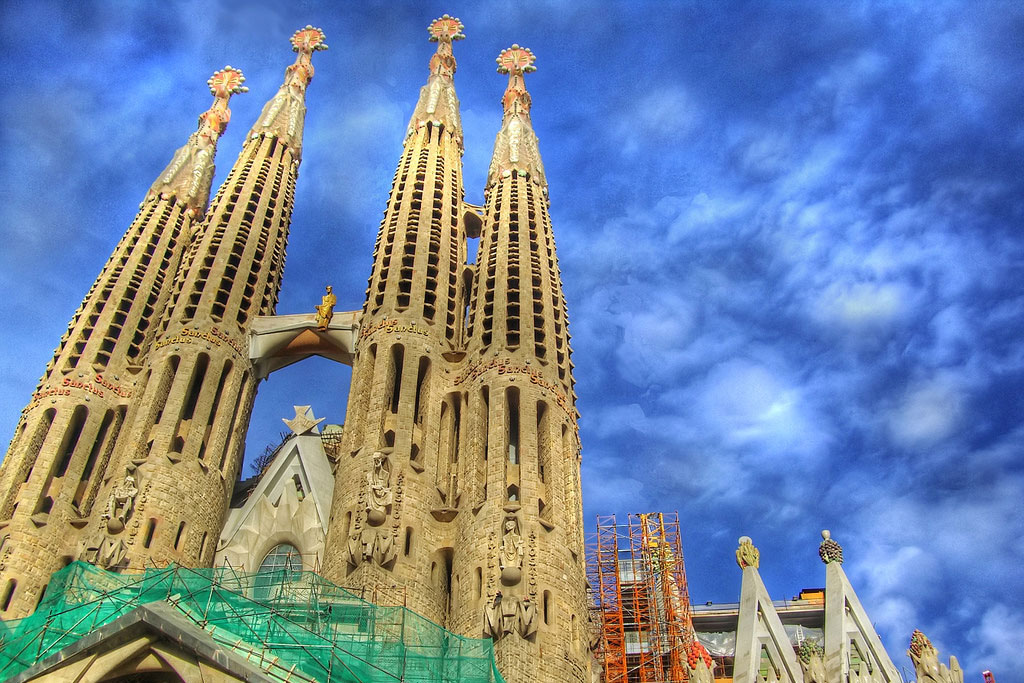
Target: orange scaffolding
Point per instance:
(640, 600)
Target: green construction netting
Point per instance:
(294, 625)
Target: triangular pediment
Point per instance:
(761, 639)
(153, 640)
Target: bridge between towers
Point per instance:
(277, 341)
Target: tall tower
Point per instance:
(177, 461)
(396, 492)
(523, 561)
(67, 432)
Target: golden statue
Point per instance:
(325, 310)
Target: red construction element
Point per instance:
(641, 602)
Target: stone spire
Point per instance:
(516, 147)
(403, 423)
(438, 103)
(186, 429)
(284, 115)
(190, 173)
(62, 447)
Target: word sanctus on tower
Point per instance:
(457, 473)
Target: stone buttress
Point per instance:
(67, 433)
(184, 439)
(396, 490)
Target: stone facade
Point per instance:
(51, 476)
(458, 470)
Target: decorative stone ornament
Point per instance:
(283, 116)
(812, 662)
(927, 665)
(829, 550)
(507, 615)
(516, 148)
(190, 172)
(325, 310)
(438, 104)
(303, 422)
(700, 666)
(747, 555)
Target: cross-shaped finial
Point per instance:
(516, 60)
(309, 39)
(446, 29)
(226, 82)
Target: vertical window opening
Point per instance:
(8, 594)
(422, 376)
(177, 537)
(408, 540)
(547, 607)
(397, 356)
(512, 409)
(150, 530)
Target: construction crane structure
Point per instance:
(640, 603)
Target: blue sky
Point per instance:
(790, 237)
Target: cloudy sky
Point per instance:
(790, 236)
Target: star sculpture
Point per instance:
(304, 420)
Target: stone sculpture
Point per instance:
(506, 615)
(927, 665)
(121, 504)
(511, 558)
(747, 555)
(378, 490)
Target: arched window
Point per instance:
(278, 567)
(284, 557)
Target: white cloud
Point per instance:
(929, 411)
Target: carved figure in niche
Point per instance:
(927, 665)
(109, 553)
(747, 555)
(121, 504)
(377, 545)
(812, 662)
(492, 618)
(700, 665)
(527, 618)
(378, 490)
(325, 310)
(511, 558)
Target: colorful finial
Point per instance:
(747, 555)
(516, 59)
(446, 29)
(309, 39)
(829, 551)
(226, 82)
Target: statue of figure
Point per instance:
(812, 661)
(109, 553)
(378, 490)
(355, 550)
(927, 665)
(527, 618)
(747, 555)
(325, 311)
(511, 558)
(492, 618)
(121, 504)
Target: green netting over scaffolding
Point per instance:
(293, 625)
